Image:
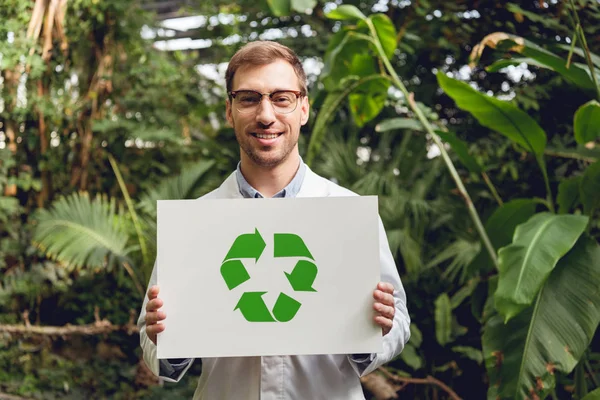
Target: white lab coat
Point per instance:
(310, 377)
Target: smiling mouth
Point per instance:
(266, 136)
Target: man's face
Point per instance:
(267, 138)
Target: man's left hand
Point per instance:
(384, 306)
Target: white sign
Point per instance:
(244, 277)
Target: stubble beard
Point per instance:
(268, 158)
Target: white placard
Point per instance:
(204, 247)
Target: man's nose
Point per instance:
(265, 114)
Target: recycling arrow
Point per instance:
(234, 273)
(285, 308)
(290, 245)
(303, 276)
(253, 307)
(249, 245)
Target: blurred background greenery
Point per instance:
(487, 178)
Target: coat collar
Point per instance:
(313, 186)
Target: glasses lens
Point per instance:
(247, 100)
(284, 102)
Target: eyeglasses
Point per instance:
(283, 101)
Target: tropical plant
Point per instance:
(546, 292)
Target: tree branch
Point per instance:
(430, 380)
(98, 327)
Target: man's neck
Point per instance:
(269, 181)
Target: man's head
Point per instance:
(267, 127)
(255, 54)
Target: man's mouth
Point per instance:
(266, 135)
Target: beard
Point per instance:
(267, 156)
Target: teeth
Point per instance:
(258, 135)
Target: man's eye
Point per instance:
(282, 99)
(249, 99)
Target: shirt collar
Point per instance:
(291, 190)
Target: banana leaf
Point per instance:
(525, 264)
(523, 355)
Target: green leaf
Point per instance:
(469, 352)
(367, 100)
(80, 232)
(330, 105)
(464, 292)
(522, 356)
(410, 356)
(568, 194)
(500, 228)
(579, 153)
(398, 123)
(346, 12)
(461, 252)
(280, 7)
(386, 32)
(462, 151)
(187, 185)
(303, 6)
(525, 264)
(589, 188)
(416, 337)
(345, 57)
(594, 395)
(546, 59)
(443, 319)
(587, 122)
(579, 51)
(496, 114)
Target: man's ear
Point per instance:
(228, 113)
(304, 108)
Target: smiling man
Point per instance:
(266, 106)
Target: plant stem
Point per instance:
(591, 372)
(492, 188)
(459, 184)
(547, 183)
(130, 207)
(584, 46)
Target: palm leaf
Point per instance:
(80, 232)
(522, 355)
(190, 183)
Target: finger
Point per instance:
(153, 330)
(384, 310)
(385, 323)
(386, 287)
(154, 317)
(154, 305)
(383, 297)
(153, 292)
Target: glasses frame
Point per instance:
(298, 94)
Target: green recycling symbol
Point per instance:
(301, 279)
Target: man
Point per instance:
(267, 104)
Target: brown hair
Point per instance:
(262, 53)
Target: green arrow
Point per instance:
(248, 245)
(253, 307)
(285, 308)
(290, 245)
(234, 273)
(303, 276)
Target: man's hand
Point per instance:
(153, 315)
(384, 306)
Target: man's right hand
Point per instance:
(153, 315)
